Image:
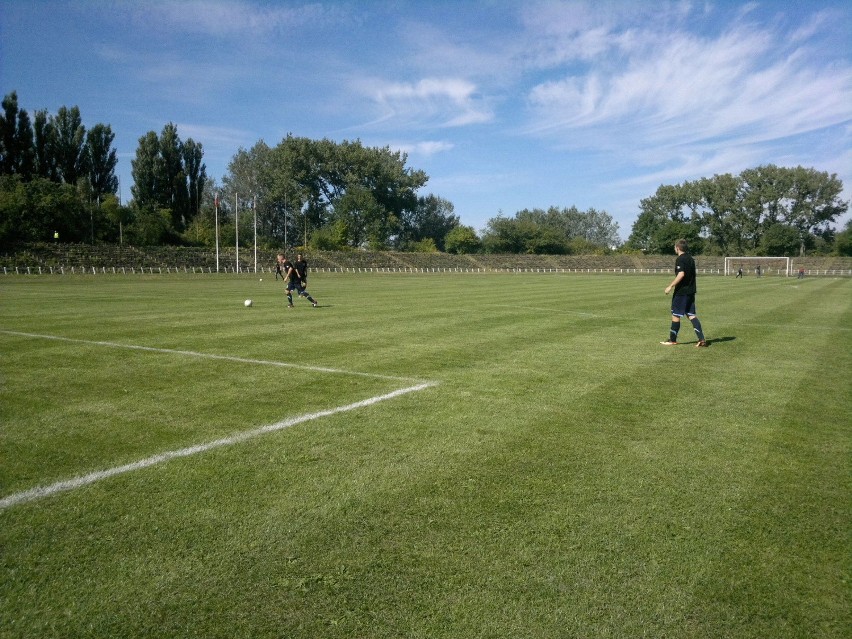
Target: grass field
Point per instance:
(424, 456)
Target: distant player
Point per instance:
(683, 301)
(301, 267)
(279, 270)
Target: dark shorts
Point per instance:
(683, 305)
(297, 285)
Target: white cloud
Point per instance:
(430, 102)
(740, 86)
(424, 149)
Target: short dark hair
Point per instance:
(681, 244)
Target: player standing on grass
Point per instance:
(293, 281)
(683, 301)
(301, 267)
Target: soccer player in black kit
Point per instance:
(683, 301)
(293, 281)
(301, 267)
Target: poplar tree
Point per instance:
(69, 145)
(168, 175)
(101, 160)
(16, 139)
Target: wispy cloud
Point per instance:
(740, 87)
(430, 102)
(507, 104)
(425, 148)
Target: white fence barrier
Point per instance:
(148, 270)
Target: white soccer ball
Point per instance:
(261, 279)
(248, 302)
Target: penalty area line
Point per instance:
(84, 480)
(229, 358)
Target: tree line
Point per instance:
(768, 210)
(53, 173)
(57, 177)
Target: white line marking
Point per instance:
(229, 358)
(77, 482)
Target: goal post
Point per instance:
(749, 265)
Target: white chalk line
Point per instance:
(229, 358)
(77, 482)
(84, 480)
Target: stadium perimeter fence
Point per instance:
(200, 270)
(77, 259)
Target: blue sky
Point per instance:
(505, 105)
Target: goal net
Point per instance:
(758, 266)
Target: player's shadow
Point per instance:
(719, 340)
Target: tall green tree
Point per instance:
(431, 218)
(174, 194)
(196, 175)
(722, 214)
(69, 145)
(367, 190)
(101, 161)
(44, 143)
(815, 202)
(145, 169)
(766, 195)
(247, 185)
(164, 171)
(16, 139)
(671, 203)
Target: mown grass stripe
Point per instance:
(229, 358)
(84, 480)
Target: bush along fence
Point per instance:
(76, 259)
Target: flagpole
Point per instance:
(216, 214)
(237, 228)
(254, 206)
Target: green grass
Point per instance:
(566, 476)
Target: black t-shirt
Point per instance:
(286, 265)
(301, 267)
(686, 265)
